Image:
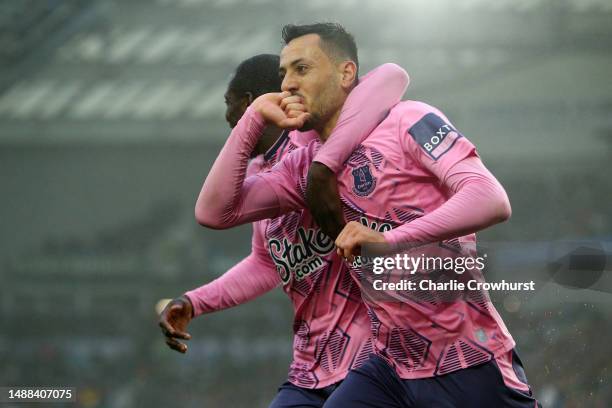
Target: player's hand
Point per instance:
(353, 237)
(323, 199)
(174, 320)
(281, 109)
(292, 105)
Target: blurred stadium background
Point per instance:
(111, 113)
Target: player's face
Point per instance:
(235, 106)
(307, 71)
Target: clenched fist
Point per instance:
(281, 109)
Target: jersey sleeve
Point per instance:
(226, 198)
(252, 277)
(365, 107)
(477, 199)
(430, 139)
(287, 178)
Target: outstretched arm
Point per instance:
(365, 107)
(250, 278)
(478, 202)
(247, 280)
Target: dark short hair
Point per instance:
(257, 75)
(336, 41)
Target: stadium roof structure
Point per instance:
(138, 71)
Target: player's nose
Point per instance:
(289, 84)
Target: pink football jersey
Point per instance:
(331, 327)
(394, 177)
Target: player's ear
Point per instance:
(348, 70)
(245, 100)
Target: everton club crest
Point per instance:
(363, 181)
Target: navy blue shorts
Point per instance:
(490, 385)
(292, 396)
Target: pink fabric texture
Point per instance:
(331, 326)
(409, 169)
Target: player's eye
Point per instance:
(301, 69)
